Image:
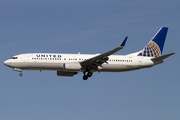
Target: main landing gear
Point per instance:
(89, 74)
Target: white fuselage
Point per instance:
(54, 61)
(70, 64)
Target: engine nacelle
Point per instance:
(66, 74)
(72, 66)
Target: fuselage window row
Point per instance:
(121, 60)
(46, 58)
(80, 59)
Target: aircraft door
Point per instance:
(26, 59)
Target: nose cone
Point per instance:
(7, 63)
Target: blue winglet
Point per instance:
(124, 42)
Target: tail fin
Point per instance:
(155, 47)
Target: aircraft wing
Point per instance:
(98, 60)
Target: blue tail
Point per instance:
(155, 47)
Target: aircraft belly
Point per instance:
(119, 68)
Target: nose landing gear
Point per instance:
(19, 70)
(20, 74)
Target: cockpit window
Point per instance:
(14, 57)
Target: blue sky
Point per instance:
(96, 26)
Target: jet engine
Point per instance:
(72, 66)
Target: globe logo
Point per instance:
(151, 50)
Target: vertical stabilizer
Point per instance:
(155, 47)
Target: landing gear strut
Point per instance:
(89, 74)
(19, 70)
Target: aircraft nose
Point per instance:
(7, 62)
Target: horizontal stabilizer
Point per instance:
(162, 57)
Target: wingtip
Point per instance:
(173, 53)
(124, 42)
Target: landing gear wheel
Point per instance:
(85, 77)
(89, 74)
(20, 74)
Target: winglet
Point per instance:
(124, 42)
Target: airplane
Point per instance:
(70, 64)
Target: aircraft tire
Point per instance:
(20, 74)
(89, 74)
(85, 77)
